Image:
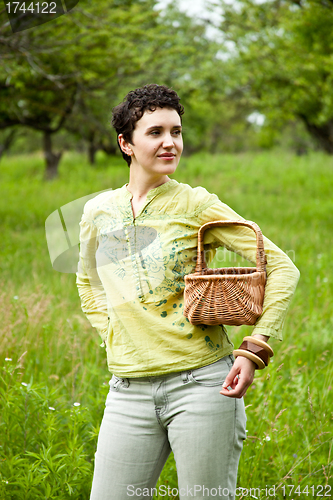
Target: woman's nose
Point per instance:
(167, 141)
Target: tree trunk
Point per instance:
(52, 159)
(92, 149)
(7, 142)
(323, 134)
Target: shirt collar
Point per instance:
(166, 186)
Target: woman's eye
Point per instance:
(177, 132)
(155, 132)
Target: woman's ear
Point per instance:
(124, 145)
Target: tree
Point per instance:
(281, 61)
(37, 89)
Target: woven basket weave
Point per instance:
(228, 296)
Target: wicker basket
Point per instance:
(228, 296)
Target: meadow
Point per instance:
(54, 379)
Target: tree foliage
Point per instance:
(282, 61)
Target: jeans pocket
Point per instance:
(211, 375)
(117, 383)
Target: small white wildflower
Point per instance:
(76, 404)
(16, 297)
(8, 359)
(25, 384)
(51, 408)
(267, 438)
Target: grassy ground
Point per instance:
(49, 354)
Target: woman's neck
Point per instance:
(140, 187)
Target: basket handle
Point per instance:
(260, 256)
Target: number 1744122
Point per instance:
(313, 491)
(32, 7)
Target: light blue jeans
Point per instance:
(146, 418)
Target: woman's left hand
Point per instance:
(239, 378)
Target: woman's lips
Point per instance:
(167, 156)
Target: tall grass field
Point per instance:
(53, 373)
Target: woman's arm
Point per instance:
(282, 278)
(91, 291)
(282, 274)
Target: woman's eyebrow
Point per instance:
(154, 127)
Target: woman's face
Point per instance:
(157, 142)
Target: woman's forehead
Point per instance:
(160, 117)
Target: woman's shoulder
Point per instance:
(196, 198)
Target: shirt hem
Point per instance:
(156, 373)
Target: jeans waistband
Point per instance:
(183, 374)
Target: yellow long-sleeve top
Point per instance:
(131, 277)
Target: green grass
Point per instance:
(53, 355)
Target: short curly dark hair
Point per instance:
(136, 102)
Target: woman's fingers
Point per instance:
(239, 378)
(231, 379)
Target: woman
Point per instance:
(175, 386)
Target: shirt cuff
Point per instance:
(269, 332)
